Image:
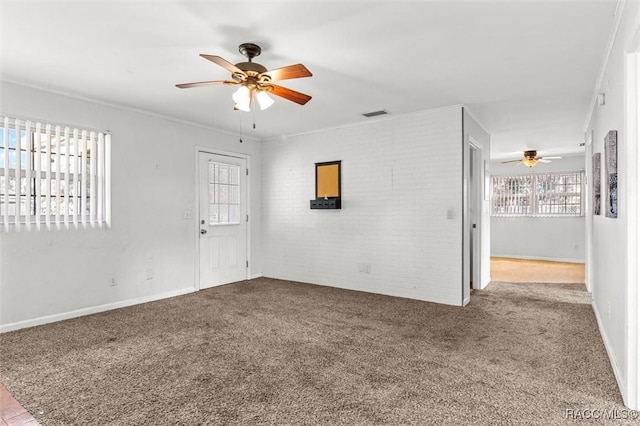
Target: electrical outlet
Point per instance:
(364, 268)
(149, 273)
(608, 309)
(112, 280)
(187, 214)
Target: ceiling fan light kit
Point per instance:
(264, 100)
(531, 158)
(255, 80)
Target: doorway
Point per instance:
(222, 219)
(475, 216)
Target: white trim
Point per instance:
(529, 172)
(605, 61)
(485, 283)
(475, 118)
(367, 121)
(588, 208)
(465, 243)
(92, 310)
(607, 345)
(126, 108)
(475, 153)
(632, 124)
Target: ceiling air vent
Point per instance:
(374, 113)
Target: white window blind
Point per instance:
(545, 194)
(53, 177)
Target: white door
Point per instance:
(222, 219)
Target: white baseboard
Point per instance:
(550, 259)
(484, 284)
(614, 365)
(92, 310)
(253, 277)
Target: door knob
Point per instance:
(203, 231)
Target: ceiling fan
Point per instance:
(255, 80)
(531, 158)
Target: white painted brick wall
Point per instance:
(399, 178)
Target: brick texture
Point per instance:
(400, 178)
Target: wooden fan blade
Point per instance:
(511, 161)
(289, 72)
(205, 83)
(223, 63)
(292, 95)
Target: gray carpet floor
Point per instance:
(275, 352)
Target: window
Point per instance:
(547, 194)
(224, 194)
(53, 176)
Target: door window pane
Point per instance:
(224, 193)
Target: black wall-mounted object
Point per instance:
(329, 203)
(328, 186)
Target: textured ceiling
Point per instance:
(526, 69)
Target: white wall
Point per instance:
(53, 273)
(400, 176)
(546, 238)
(608, 250)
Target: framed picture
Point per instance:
(596, 183)
(328, 186)
(611, 172)
(328, 179)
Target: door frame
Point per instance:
(475, 186)
(471, 147)
(196, 219)
(632, 127)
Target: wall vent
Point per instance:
(374, 113)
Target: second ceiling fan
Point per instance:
(255, 80)
(531, 158)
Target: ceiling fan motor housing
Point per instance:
(252, 69)
(250, 50)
